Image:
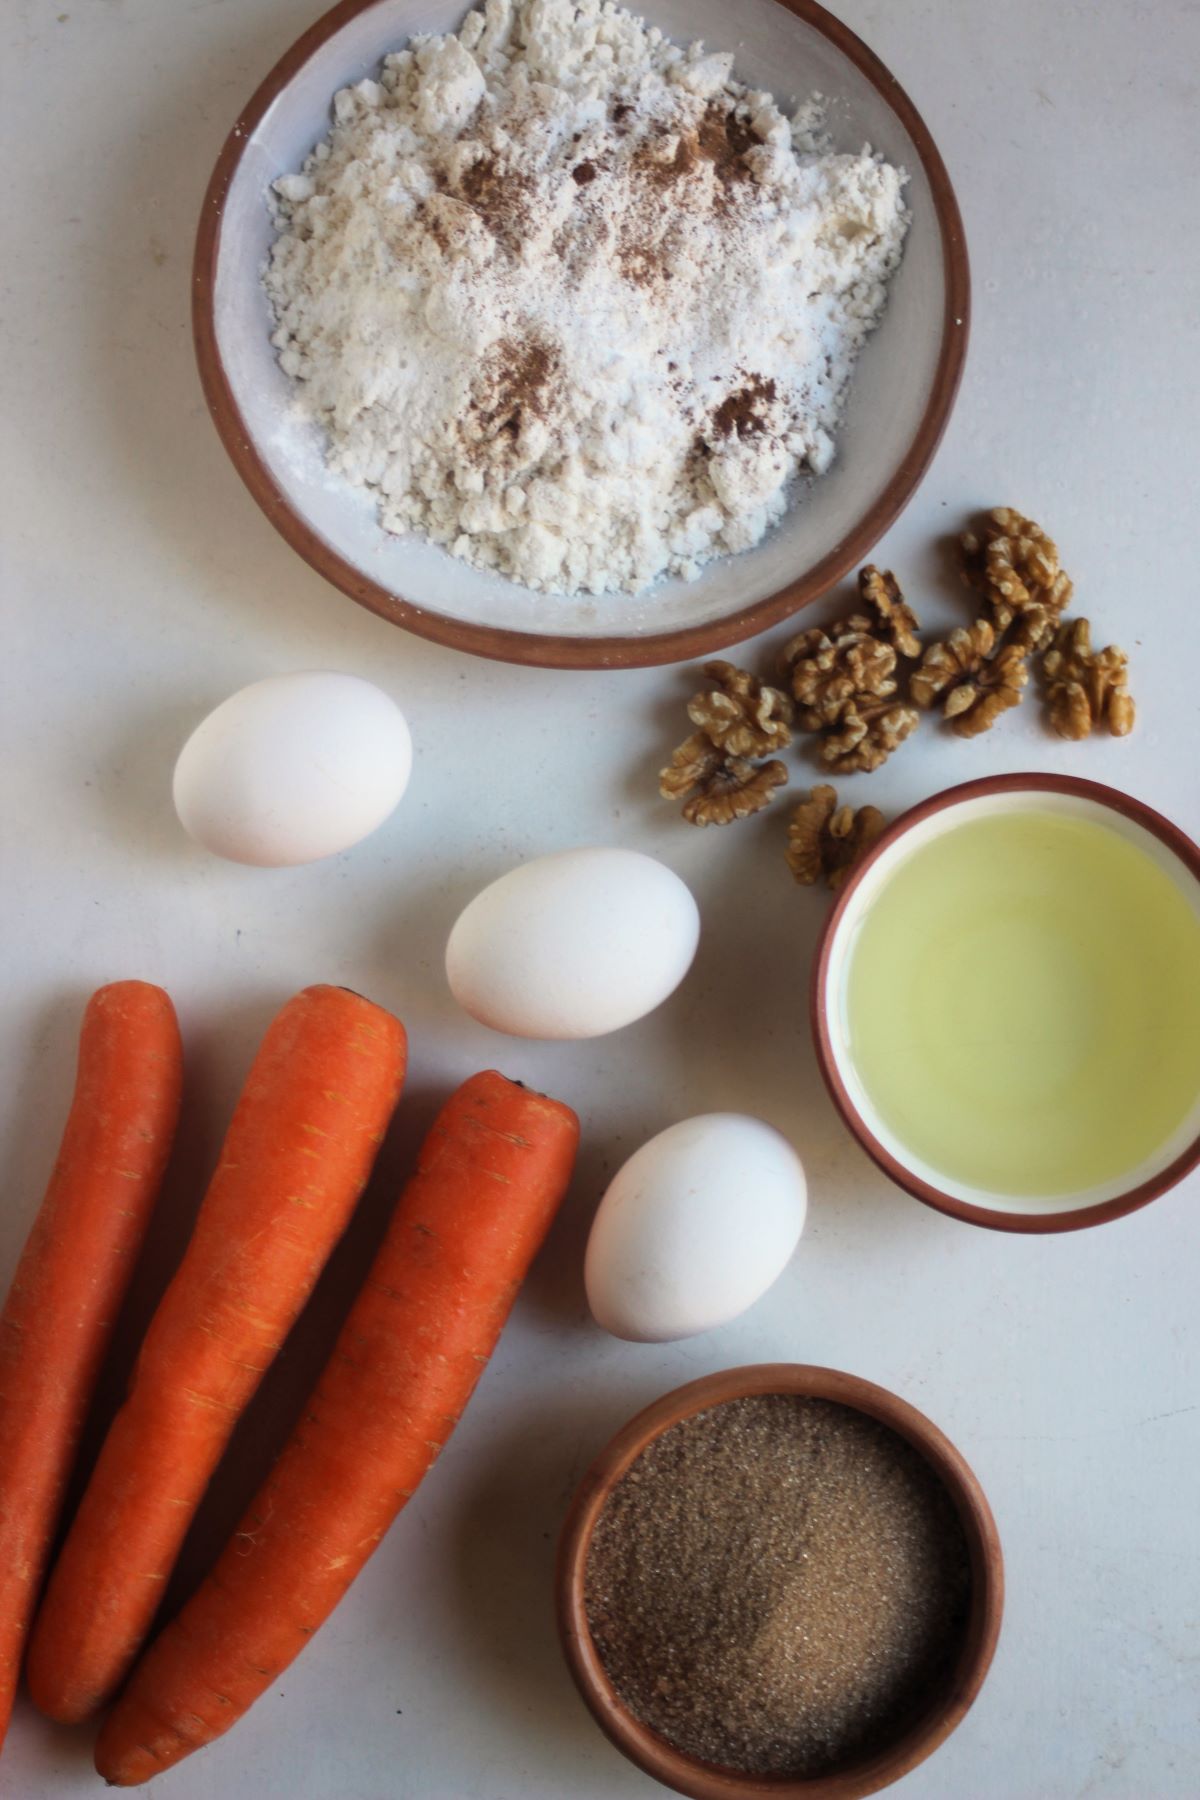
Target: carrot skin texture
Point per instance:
(490, 1177)
(297, 1154)
(72, 1276)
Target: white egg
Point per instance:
(293, 768)
(573, 945)
(694, 1228)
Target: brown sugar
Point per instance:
(778, 1585)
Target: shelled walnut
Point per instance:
(1032, 632)
(827, 839)
(1015, 565)
(739, 714)
(861, 682)
(716, 788)
(866, 734)
(894, 618)
(1086, 687)
(975, 680)
(692, 764)
(845, 680)
(830, 668)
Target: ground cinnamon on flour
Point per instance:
(778, 1585)
(558, 181)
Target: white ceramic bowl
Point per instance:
(1174, 852)
(901, 395)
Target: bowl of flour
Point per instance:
(576, 337)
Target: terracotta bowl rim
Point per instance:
(703, 1781)
(994, 1219)
(566, 651)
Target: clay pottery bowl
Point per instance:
(900, 398)
(946, 1707)
(1164, 842)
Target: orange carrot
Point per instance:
(489, 1180)
(72, 1277)
(297, 1154)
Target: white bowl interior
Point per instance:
(774, 50)
(841, 948)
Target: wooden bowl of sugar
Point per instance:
(779, 1581)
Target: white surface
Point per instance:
(144, 585)
(887, 399)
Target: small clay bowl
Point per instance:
(897, 408)
(1175, 853)
(705, 1781)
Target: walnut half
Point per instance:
(866, 734)
(879, 592)
(1086, 687)
(1014, 564)
(827, 839)
(719, 788)
(974, 680)
(740, 715)
(844, 677)
(830, 669)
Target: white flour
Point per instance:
(571, 300)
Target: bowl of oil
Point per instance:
(1006, 1003)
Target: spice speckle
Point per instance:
(743, 412)
(779, 1585)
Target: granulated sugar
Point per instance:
(571, 300)
(777, 1585)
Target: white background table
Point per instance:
(142, 585)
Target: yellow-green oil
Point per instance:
(1022, 1004)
